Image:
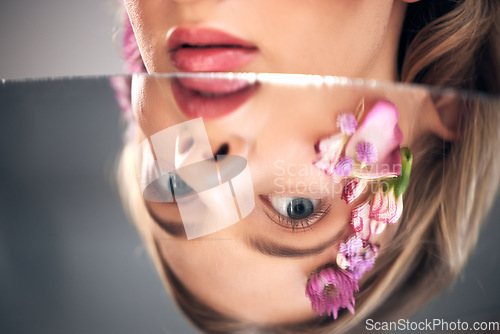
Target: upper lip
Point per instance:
(204, 37)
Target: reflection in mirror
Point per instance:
(294, 203)
(67, 251)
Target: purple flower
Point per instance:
(330, 290)
(365, 261)
(366, 153)
(380, 129)
(356, 257)
(347, 123)
(344, 166)
(352, 247)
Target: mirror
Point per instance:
(240, 206)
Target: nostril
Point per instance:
(223, 150)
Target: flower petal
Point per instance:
(377, 227)
(329, 150)
(314, 285)
(360, 220)
(338, 287)
(342, 261)
(353, 188)
(380, 128)
(399, 211)
(384, 206)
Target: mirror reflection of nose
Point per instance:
(231, 145)
(223, 150)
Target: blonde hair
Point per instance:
(444, 43)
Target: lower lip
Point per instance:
(211, 59)
(230, 95)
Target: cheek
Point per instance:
(153, 104)
(150, 25)
(334, 37)
(222, 274)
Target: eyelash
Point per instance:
(302, 224)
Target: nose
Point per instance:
(230, 145)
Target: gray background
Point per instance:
(58, 38)
(69, 260)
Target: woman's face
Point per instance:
(256, 269)
(327, 37)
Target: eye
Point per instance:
(296, 212)
(162, 189)
(294, 207)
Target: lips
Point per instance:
(208, 50)
(211, 97)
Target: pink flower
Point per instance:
(385, 207)
(371, 151)
(360, 221)
(353, 188)
(329, 150)
(330, 290)
(387, 203)
(347, 123)
(380, 129)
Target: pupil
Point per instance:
(178, 186)
(300, 208)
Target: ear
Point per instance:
(411, 1)
(443, 114)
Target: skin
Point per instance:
(340, 37)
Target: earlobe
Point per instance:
(443, 115)
(411, 1)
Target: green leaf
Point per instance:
(401, 182)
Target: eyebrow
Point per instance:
(265, 246)
(173, 228)
(272, 248)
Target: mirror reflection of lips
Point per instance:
(211, 97)
(208, 50)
